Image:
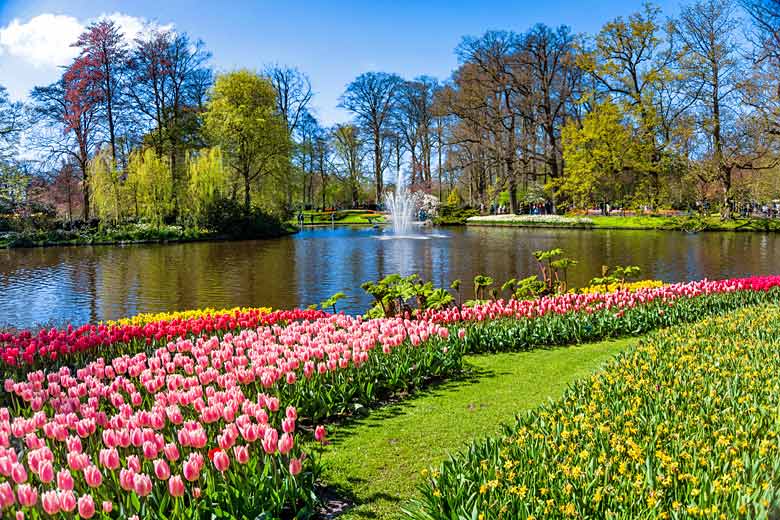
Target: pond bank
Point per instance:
(655, 223)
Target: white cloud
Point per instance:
(44, 41)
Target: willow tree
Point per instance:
(105, 183)
(242, 120)
(150, 174)
(206, 180)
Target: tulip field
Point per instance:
(683, 426)
(218, 414)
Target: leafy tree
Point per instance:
(596, 154)
(242, 119)
(105, 184)
(207, 180)
(151, 176)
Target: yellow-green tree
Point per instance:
(150, 175)
(241, 119)
(207, 180)
(596, 154)
(105, 182)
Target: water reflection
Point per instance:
(79, 284)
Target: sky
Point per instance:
(330, 41)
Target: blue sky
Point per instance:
(331, 41)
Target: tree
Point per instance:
(66, 118)
(241, 118)
(166, 85)
(293, 94)
(207, 180)
(99, 68)
(372, 97)
(711, 58)
(11, 124)
(349, 153)
(596, 154)
(150, 176)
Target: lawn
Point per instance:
(375, 462)
(692, 223)
(348, 216)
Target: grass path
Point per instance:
(376, 461)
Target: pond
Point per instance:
(57, 285)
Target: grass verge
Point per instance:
(375, 462)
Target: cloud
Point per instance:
(44, 41)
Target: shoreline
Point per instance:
(640, 223)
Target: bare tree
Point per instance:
(372, 97)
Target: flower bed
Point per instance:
(174, 418)
(51, 347)
(144, 318)
(683, 426)
(203, 425)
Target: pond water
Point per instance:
(57, 285)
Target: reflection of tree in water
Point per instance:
(58, 284)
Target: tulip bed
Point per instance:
(683, 426)
(205, 415)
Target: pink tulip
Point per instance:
(270, 440)
(86, 506)
(241, 453)
(45, 472)
(108, 506)
(171, 452)
(288, 425)
(161, 469)
(320, 433)
(92, 476)
(28, 495)
(18, 473)
(176, 486)
(196, 492)
(142, 484)
(7, 497)
(221, 460)
(191, 471)
(295, 466)
(50, 502)
(286, 443)
(20, 515)
(64, 479)
(67, 500)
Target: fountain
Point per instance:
(401, 207)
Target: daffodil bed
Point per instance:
(685, 425)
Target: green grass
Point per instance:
(375, 461)
(347, 216)
(653, 222)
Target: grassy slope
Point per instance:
(710, 223)
(376, 461)
(343, 217)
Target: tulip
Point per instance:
(67, 500)
(86, 506)
(92, 476)
(176, 486)
(295, 466)
(64, 479)
(221, 461)
(191, 471)
(320, 433)
(161, 469)
(50, 502)
(45, 472)
(28, 496)
(286, 443)
(241, 453)
(18, 473)
(142, 484)
(108, 506)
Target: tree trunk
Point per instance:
(247, 201)
(378, 165)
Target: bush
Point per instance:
(230, 218)
(450, 215)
